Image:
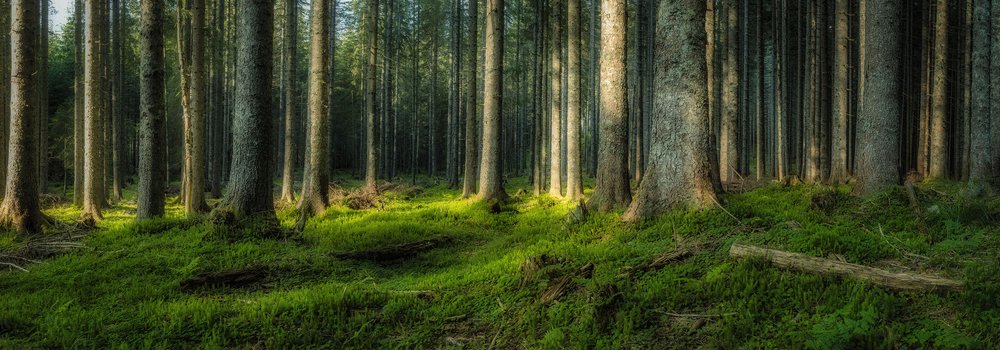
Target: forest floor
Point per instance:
(526, 277)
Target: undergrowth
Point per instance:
(122, 288)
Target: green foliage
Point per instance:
(123, 289)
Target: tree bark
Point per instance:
(728, 128)
(5, 80)
(315, 196)
(20, 209)
(939, 84)
(195, 192)
(878, 118)
(612, 191)
(93, 196)
(371, 165)
(43, 98)
(249, 190)
(491, 170)
(679, 171)
(839, 131)
(555, 118)
(472, 105)
(152, 126)
(980, 169)
(574, 172)
(291, 95)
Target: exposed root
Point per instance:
(559, 286)
(243, 278)
(396, 252)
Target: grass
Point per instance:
(122, 290)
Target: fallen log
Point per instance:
(239, 278)
(811, 264)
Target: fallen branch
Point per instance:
(811, 264)
(659, 261)
(559, 286)
(671, 314)
(14, 266)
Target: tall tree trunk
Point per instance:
(249, 190)
(491, 170)
(472, 104)
(980, 169)
(5, 63)
(152, 126)
(194, 203)
(839, 131)
(291, 61)
(371, 168)
(555, 119)
(878, 120)
(728, 126)
(317, 179)
(43, 98)
(115, 100)
(20, 209)
(218, 101)
(995, 83)
(93, 196)
(939, 84)
(574, 173)
(679, 171)
(612, 191)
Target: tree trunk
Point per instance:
(555, 118)
(43, 98)
(195, 143)
(679, 171)
(20, 209)
(839, 131)
(471, 120)
(249, 190)
(5, 62)
(939, 84)
(728, 126)
(152, 126)
(878, 118)
(491, 170)
(574, 173)
(291, 61)
(980, 169)
(93, 196)
(371, 167)
(317, 179)
(612, 191)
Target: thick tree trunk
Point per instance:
(995, 83)
(878, 118)
(317, 179)
(939, 84)
(491, 170)
(93, 196)
(679, 171)
(152, 126)
(980, 170)
(291, 95)
(20, 209)
(115, 101)
(612, 191)
(371, 165)
(472, 105)
(574, 172)
(249, 189)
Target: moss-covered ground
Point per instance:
(122, 288)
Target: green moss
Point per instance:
(122, 290)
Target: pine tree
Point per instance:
(152, 126)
